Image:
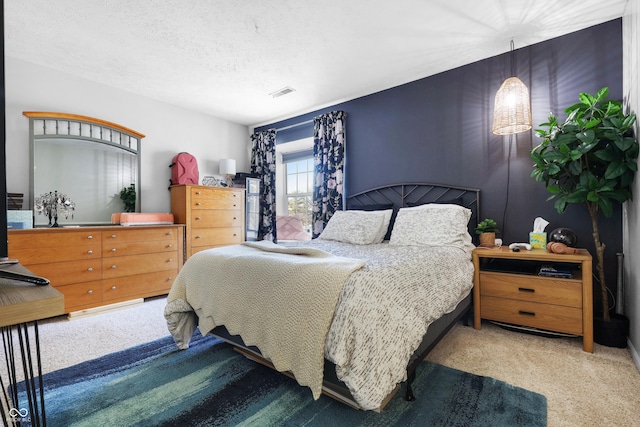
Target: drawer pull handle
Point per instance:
(198, 193)
(113, 267)
(526, 313)
(113, 236)
(198, 204)
(90, 252)
(90, 269)
(198, 218)
(170, 233)
(169, 245)
(113, 288)
(235, 217)
(170, 260)
(90, 291)
(113, 250)
(169, 278)
(526, 290)
(197, 237)
(234, 205)
(89, 237)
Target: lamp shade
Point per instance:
(227, 167)
(512, 111)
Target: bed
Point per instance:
(401, 277)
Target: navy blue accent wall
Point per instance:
(438, 129)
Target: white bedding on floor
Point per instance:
(385, 309)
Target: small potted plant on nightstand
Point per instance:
(487, 230)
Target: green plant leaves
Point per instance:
(591, 157)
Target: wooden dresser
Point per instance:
(509, 289)
(94, 266)
(214, 216)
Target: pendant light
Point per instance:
(512, 110)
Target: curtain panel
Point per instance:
(328, 155)
(263, 163)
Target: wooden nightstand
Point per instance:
(508, 289)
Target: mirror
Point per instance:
(86, 163)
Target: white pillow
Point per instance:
(356, 227)
(386, 219)
(432, 224)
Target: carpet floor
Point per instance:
(211, 385)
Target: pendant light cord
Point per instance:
(506, 202)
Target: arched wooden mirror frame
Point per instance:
(88, 159)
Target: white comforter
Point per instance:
(385, 309)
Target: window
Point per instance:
(299, 188)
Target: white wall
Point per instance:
(631, 211)
(168, 129)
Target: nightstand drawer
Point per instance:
(542, 316)
(565, 292)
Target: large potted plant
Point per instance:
(589, 159)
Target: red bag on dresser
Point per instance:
(184, 169)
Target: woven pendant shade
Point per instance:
(512, 112)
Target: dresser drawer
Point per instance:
(112, 249)
(216, 236)
(138, 286)
(216, 199)
(565, 292)
(64, 273)
(81, 295)
(537, 315)
(35, 255)
(133, 234)
(216, 218)
(46, 238)
(139, 264)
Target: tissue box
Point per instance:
(538, 240)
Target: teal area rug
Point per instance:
(209, 384)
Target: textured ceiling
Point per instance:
(225, 58)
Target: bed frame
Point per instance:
(399, 195)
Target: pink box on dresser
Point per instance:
(141, 218)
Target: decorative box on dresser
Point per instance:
(214, 216)
(94, 266)
(508, 289)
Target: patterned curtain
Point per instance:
(328, 156)
(263, 163)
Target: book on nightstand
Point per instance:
(551, 271)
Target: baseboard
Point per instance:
(104, 308)
(634, 354)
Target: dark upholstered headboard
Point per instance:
(412, 194)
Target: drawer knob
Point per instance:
(235, 217)
(90, 269)
(113, 288)
(198, 193)
(198, 218)
(90, 291)
(197, 237)
(234, 205)
(169, 278)
(170, 260)
(89, 237)
(113, 250)
(90, 252)
(169, 245)
(527, 290)
(113, 267)
(526, 313)
(234, 234)
(113, 236)
(198, 204)
(170, 233)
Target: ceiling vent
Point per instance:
(285, 90)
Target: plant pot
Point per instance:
(613, 333)
(487, 239)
